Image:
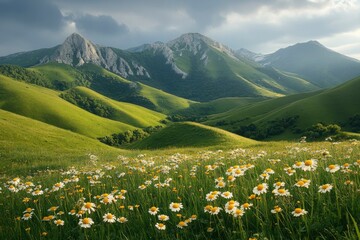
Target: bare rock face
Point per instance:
(76, 51)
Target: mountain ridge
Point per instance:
(191, 66)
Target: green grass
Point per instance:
(189, 134)
(30, 145)
(334, 105)
(160, 100)
(45, 105)
(124, 112)
(58, 72)
(164, 102)
(189, 176)
(217, 106)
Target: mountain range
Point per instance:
(196, 67)
(79, 85)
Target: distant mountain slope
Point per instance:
(45, 105)
(188, 134)
(202, 69)
(334, 105)
(192, 66)
(28, 144)
(315, 63)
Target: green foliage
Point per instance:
(354, 123)
(129, 136)
(272, 128)
(89, 104)
(320, 131)
(23, 74)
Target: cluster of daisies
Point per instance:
(213, 177)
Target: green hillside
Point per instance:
(189, 134)
(120, 111)
(335, 105)
(61, 75)
(217, 106)
(45, 105)
(27, 144)
(118, 88)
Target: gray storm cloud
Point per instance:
(261, 25)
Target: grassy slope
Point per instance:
(125, 112)
(189, 134)
(267, 82)
(45, 105)
(218, 106)
(163, 101)
(58, 71)
(328, 106)
(29, 144)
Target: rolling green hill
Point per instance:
(61, 76)
(45, 105)
(118, 88)
(120, 111)
(217, 106)
(27, 144)
(330, 106)
(189, 134)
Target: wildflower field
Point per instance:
(269, 191)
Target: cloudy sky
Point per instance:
(261, 26)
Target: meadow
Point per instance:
(270, 190)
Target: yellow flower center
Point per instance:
(300, 183)
(281, 190)
(175, 205)
(246, 205)
(325, 186)
(86, 221)
(238, 211)
(88, 205)
(308, 162)
(182, 224)
(153, 209)
(332, 166)
(230, 207)
(57, 184)
(298, 210)
(161, 225)
(214, 209)
(260, 187)
(110, 216)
